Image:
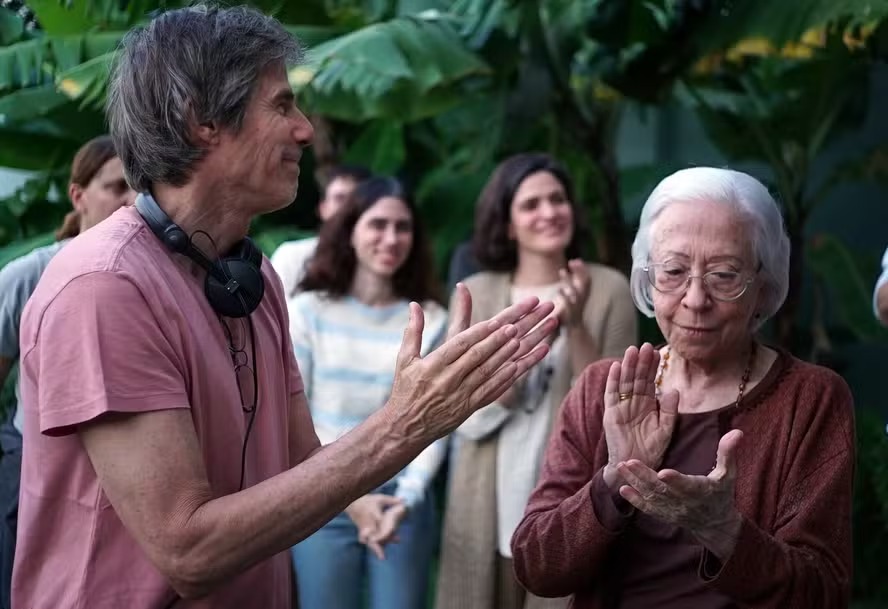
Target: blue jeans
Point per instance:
(10, 476)
(335, 571)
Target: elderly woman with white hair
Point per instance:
(715, 471)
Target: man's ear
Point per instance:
(75, 194)
(205, 134)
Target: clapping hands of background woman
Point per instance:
(573, 294)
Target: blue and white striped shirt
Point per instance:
(347, 352)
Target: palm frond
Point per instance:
(783, 22)
(370, 72)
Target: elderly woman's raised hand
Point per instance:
(704, 505)
(636, 424)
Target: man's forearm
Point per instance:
(229, 534)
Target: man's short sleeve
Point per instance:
(98, 347)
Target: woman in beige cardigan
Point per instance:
(527, 234)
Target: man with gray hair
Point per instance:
(169, 457)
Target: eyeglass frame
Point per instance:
(687, 283)
(236, 353)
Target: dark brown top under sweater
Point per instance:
(793, 489)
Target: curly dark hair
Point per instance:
(332, 267)
(491, 245)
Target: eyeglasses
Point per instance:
(671, 277)
(244, 374)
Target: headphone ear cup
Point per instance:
(247, 296)
(176, 239)
(240, 272)
(250, 252)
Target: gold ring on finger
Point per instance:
(625, 396)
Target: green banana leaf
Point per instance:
(832, 262)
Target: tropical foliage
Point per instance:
(429, 77)
(438, 91)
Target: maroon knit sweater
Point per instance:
(793, 490)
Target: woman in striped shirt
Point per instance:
(346, 324)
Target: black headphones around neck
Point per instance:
(234, 285)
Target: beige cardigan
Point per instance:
(468, 555)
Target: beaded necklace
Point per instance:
(664, 364)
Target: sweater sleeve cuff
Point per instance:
(733, 575)
(612, 511)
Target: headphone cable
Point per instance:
(251, 410)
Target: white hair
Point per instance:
(747, 196)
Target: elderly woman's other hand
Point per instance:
(703, 505)
(637, 426)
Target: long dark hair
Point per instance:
(491, 245)
(333, 265)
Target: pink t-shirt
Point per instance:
(119, 324)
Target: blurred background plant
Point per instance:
(623, 91)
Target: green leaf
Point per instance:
(87, 81)
(28, 104)
(412, 7)
(403, 69)
(67, 17)
(34, 151)
(100, 43)
(58, 18)
(871, 166)
(783, 111)
(780, 22)
(446, 198)
(376, 10)
(313, 35)
(479, 19)
(22, 64)
(372, 51)
(269, 239)
(831, 261)
(36, 62)
(11, 27)
(305, 12)
(638, 181)
(18, 249)
(67, 51)
(380, 147)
